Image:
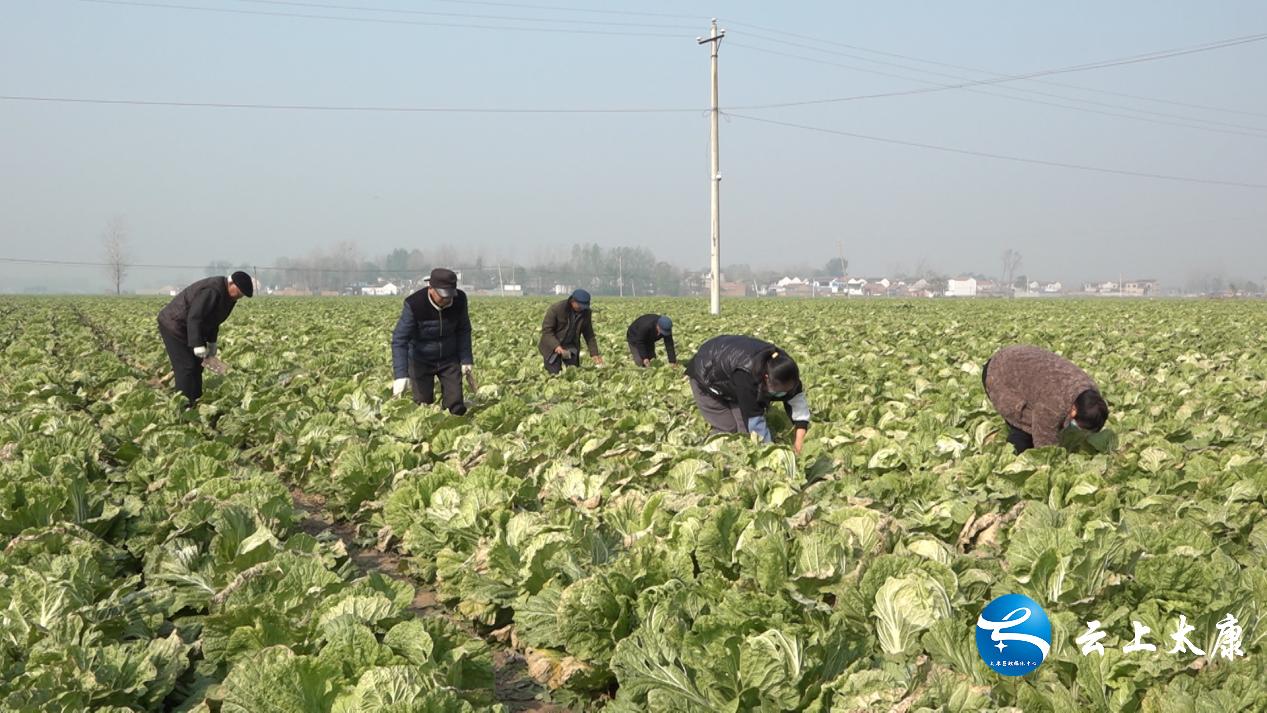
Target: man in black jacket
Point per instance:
(190, 326)
(642, 336)
(433, 339)
(562, 329)
(734, 379)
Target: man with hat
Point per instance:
(643, 334)
(561, 331)
(190, 326)
(433, 339)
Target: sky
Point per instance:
(196, 184)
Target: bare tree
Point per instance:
(114, 239)
(1011, 263)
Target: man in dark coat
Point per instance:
(643, 334)
(1039, 394)
(433, 339)
(190, 326)
(734, 379)
(564, 325)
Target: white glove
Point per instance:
(211, 349)
(467, 369)
(200, 352)
(399, 386)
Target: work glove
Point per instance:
(468, 373)
(468, 369)
(211, 349)
(399, 386)
(200, 352)
(757, 425)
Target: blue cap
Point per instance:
(665, 324)
(582, 298)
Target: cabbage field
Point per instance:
(304, 542)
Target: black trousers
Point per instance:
(1020, 440)
(423, 377)
(555, 363)
(186, 367)
(635, 351)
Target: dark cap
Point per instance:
(244, 283)
(443, 281)
(581, 297)
(665, 324)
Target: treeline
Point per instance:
(603, 271)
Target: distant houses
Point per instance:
(387, 289)
(961, 287)
(1127, 288)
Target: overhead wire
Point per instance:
(435, 13)
(924, 60)
(971, 82)
(353, 108)
(972, 87)
(382, 20)
(997, 156)
(1122, 61)
(570, 8)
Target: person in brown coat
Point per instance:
(1039, 394)
(565, 324)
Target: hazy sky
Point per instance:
(198, 184)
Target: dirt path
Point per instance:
(512, 685)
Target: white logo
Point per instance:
(996, 629)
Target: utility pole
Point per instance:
(620, 272)
(715, 175)
(840, 246)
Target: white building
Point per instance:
(384, 290)
(854, 286)
(962, 288)
(512, 290)
(1052, 288)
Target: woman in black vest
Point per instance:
(734, 379)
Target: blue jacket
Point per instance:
(431, 336)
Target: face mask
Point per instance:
(777, 394)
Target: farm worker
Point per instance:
(190, 326)
(1039, 394)
(734, 379)
(561, 331)
(433, 339)
(642, 336)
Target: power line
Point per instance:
(568, 8)
(350, 108)
(1190, 105)
(1000, 157)
(569, 273)
(1185, 122)
(434, 13)
(380, 20)
(1136, 59)
(960, 78)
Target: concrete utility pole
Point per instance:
(715, 175)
